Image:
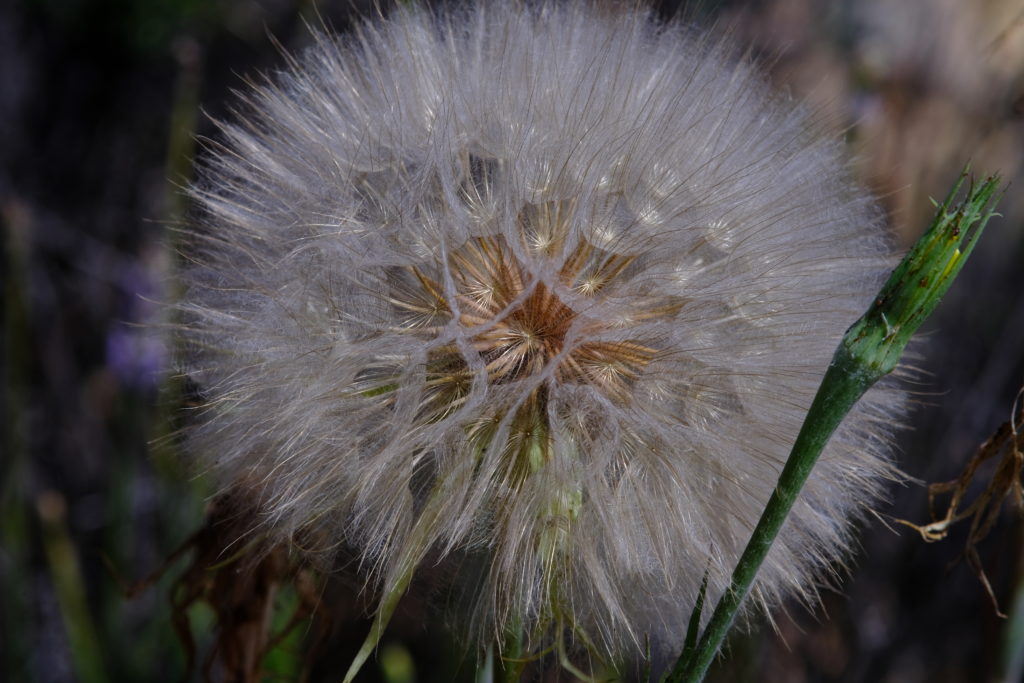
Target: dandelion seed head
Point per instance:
(537, 288)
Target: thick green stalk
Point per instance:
(843, 385)
(869, 350)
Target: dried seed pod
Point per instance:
(541, 289)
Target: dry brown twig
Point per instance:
(1007, 444)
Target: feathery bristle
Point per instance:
(544, 288)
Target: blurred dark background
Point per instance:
(99, 105)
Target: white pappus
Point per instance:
(541, 288)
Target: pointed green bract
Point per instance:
(693, 628)
(917, 284)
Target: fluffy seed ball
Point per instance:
(544, 291)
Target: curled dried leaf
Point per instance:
(243, 587)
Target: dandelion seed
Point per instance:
(544, 288)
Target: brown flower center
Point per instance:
(518, 324)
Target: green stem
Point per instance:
(511, 662)
(421, 537)
(845, 382)
(869, 350)
(485, 667)
(380, 622)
